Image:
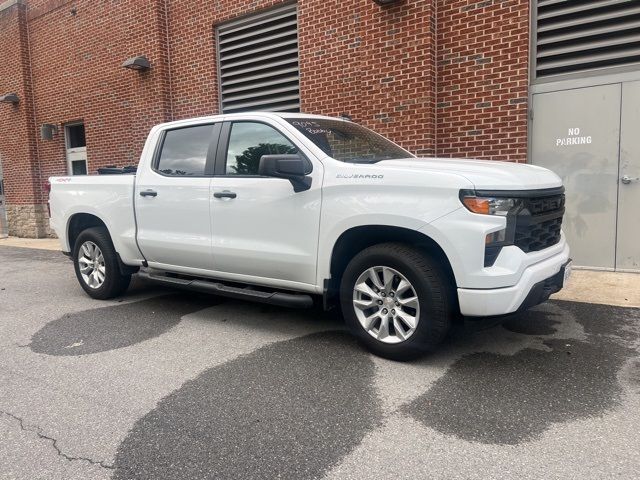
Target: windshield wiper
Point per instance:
(361, 160)
(370, 160)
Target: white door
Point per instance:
(172, 201)
(261, 227)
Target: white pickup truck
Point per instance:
(282, 208)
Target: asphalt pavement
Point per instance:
(160, 384)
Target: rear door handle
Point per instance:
(225, 194)
(148, 193)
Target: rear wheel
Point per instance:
(97, 266)
(397, 301)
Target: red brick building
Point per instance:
(447, 78)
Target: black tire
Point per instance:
(431, 285)
(115, 283)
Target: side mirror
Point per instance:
(292, 167)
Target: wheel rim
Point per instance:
(91, 264)
(386, 304)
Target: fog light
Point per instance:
(494, 242)
(495, 237)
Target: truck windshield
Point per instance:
(347, 141)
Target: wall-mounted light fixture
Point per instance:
(384, 3)
(9, 98)
(137, 63)
(47, 131)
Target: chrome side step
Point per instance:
(292, 300)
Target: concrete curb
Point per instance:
(38, 243)
(606, 288)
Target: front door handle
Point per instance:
(626, 179)
(225, 194)
(148, 193)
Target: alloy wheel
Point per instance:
(386, 304)
(91, 264)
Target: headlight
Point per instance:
(489, 205)
(493, 204)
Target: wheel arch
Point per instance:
(356, 239)
(79, 222)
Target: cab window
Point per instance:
(248, 142)
(184, 151)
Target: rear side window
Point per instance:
(184, 151)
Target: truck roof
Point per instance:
(231, 116)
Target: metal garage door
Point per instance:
(589, 137)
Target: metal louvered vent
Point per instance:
(258, 62)
(584, 35)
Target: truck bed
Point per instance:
(107, 197)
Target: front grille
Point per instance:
(539, 236)
(538, 224)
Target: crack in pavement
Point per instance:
(38, 431)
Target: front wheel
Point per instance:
(397, 301)
(97, 266)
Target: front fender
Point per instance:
(329, 240)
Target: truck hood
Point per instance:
(484, 174)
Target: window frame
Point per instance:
(220, 169)
(209, 159)
(75, 154)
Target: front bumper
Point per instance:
(536, 284)
(541, 291)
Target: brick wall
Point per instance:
(16, 121)
(77, 49)
(375, 64)
(17, 131)
(482, 78)
(438, 77)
